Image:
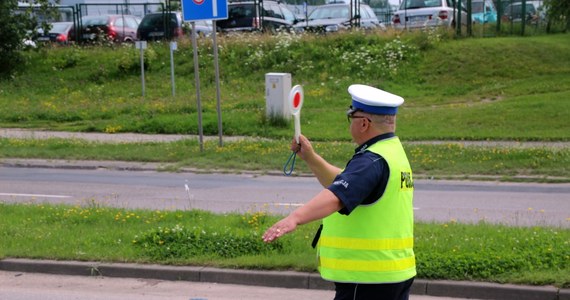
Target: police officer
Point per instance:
(366, 242)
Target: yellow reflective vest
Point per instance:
(374, 243)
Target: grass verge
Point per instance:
(438, 161)
(481, 252)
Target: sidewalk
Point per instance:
(284, 279)
(138, 137)
(104, 137)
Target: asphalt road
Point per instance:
(516, 204)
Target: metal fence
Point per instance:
(135, 9)
(502, 17)
(483, 18)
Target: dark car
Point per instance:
(117, 28)
(59, 33)
(245, 16)
(533, 11)
(337, 17)
(161, 25)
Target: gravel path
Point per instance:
(103, 137)
(137, 137)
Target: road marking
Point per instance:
(34, 195)
(301, 204)
(288, 204)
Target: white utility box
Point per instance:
(277, 88)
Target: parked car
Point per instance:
(117, 28)
(244, 16)
(336, 17)
(383, 9)
(203, 28)
(483, 11)
(427, 13)
(161, 25)
(59, 33)
(533, 10)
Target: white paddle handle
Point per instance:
(297, 118)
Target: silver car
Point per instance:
(337, 17)
(426, 13)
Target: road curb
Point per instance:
(283, 279)
(121, 166)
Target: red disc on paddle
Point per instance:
(296, 99)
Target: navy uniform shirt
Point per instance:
(364, 178)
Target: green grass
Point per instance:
(483, 252)
(508, 88)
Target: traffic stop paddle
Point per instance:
(295, 104)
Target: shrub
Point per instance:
(179, 242)
(130, 60)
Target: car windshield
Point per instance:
(241, 11)
(153, 20)
(205, 23)
(94, 21)
(516, 9)
(413, 4)
(330, 12)
(158, 20)
(477, 7)
(60, 27)
(289, 16)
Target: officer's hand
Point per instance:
(279, 229)
(304, 149)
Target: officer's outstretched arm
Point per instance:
(323, 204)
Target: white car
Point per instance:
(426, 13)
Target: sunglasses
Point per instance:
(350, 114)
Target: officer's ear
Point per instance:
(365, 124)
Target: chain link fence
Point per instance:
(487, 18)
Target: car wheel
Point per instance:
(270, 29)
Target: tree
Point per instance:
(558, 11)
(17, 23)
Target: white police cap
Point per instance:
(372, 100)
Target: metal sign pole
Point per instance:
(141, 45)
(197, 79)
(192, 11)
(142, 70)
(216, 66)
(173, 46)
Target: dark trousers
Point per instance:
(384, 291)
